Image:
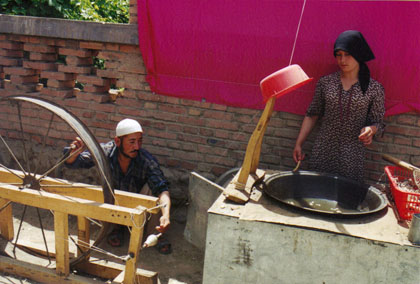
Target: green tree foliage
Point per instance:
(115, 11)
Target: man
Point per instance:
(133, 169)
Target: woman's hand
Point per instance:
(366, 134)
(297, 153)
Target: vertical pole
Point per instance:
(61, 228)
(134, 248)
(83, 234)
(6, 220)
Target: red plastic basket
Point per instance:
(408, 203)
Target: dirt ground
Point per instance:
(183, 265)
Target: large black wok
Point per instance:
(325, 193)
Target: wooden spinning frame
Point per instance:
(65, 198)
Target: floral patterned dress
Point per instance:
(343, 114)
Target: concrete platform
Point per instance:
(265, 241)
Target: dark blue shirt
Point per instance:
(143, 168)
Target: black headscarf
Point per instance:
(354, 43)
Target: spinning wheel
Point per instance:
(32, 130)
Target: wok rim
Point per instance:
(370, 188)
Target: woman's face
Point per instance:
(346, 62)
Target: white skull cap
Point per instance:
(127, 126)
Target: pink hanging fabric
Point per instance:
(218, 51)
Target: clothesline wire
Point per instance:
(297, 32)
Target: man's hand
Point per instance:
(76, 147)
(164, 224)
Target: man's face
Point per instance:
(130, 144)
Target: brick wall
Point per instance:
(184, 135)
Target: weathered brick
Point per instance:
(48, 41)
(11, 53)
(131, 102)
(73, 44)
(222, 124)
(39, 65)
(402, 141)
(110, 55)
(23, 88)
(150, 105)
(91, 45)
(218, 115)
(407, 119)
(89, 88)
(135, 112)
(20, 71)
(52, 92)
(133, 19)
(43, 56)
(172, 109)
(112, 46)
(39, 48)
(133, 82)
(103, 125)
(11, 45)
(94, 80)
(129, 48)
(75, 52)
(8, 61)
(132, 10)
(17, 79)
(60, 84)
(76, 61)
(108, 74)
(135, 66)
(57, 75)
(75, 69)
(96, 97)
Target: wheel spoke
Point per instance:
(43, 235)
(61, 161)
(44, 140)
(20, 227)
(13, 155)
(25, 153)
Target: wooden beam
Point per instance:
(134, 248)
(71, 205)
(39, 273)
(85, 191)
(61, 229)
(107, 270)
(6, 220)
(83, 235)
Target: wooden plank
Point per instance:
(85, 191)
(6, 220)
(134, 249)
(39, 273)
(74, 206)
(107, 270)
(253, 150)
(61, 229)
(83, 234)
(237, 190)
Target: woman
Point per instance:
(350, 106)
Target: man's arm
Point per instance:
(76, 147)
(165, 200)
